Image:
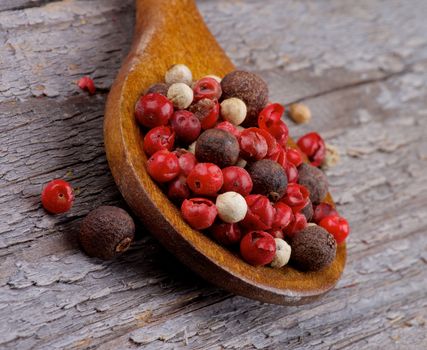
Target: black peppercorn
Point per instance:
(315, 180)
(308, 211)
(217, 146)
(313, 248)
(158, 88)
(248, 87)
(269, 179)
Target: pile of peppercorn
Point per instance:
(220, 151)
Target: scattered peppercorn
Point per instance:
(313, 146)
(106, 232)
(86, 83)
(57, 196)
(313, 248)
(248, 87)
(314, 180)
(268, 178)
(332, 157)
(299, 113)
(217, 146)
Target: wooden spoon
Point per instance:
(169, 32)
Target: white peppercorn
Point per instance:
(192, 148)
(332, 157)
(179, 73)
(233, 110)
(231, 207)
(181, 95)
(283, 253)
(299, 113)
(241, 163)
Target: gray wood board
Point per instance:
(362, 69)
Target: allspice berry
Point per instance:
(308, 211)
(269, 178)
(106, 232)
(217, 146)
(315, 180)
(158, 88)
(299, 113)
(313, 248)
(248, 87)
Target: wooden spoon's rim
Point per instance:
(123, 143)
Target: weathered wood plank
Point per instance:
(363, 71)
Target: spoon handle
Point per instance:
(165, 29)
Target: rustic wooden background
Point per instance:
(360, 66)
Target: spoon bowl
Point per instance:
(169, 32)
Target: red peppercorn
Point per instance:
(207, 111)
(291, 172)
(186, 126)
(270, 115)
(187, 161)
(157, 139)
(258, 248)
(280, 132)
(273, 147)
(298, 223)
(260, 214)
(297, 196)
(294, 156)
(314, 147)
(226, 234)
(253, 145)
(153, 110)
(205, 179)
(57, 196)
(86, 83)
(282, 216)
(321, 210)
(337, 226)
(280, 156)
(236, 179)
(207, 88)
(276, 233)
(178, 189)
(163, 166)
(199, 213)
(227, 126)
(269, 119)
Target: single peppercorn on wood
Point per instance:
(299, 113)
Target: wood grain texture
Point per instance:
(156, 46)
(363, 72)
